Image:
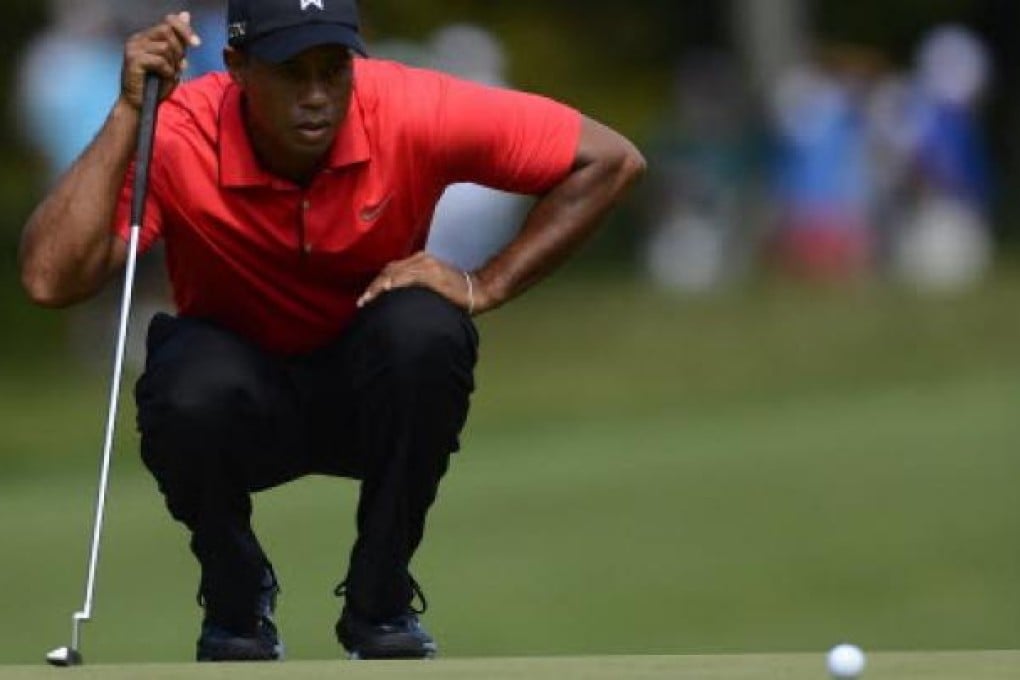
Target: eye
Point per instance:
(336, 70)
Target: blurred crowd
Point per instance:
(842, 169)
(846, 169)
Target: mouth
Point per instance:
(313, 130)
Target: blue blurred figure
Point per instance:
(69, 73)
(821, 175)
(208, 17)
(945, 243)
(951, 155)
(471, 222)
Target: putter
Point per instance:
(71, 656)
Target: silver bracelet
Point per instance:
(471, 293)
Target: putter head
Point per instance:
(64, 656)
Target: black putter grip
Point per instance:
(146, 132)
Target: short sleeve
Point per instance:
(152, 226)
(505, 139)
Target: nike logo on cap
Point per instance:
(370, 213)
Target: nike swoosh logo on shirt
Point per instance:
(370, 213)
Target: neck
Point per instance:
(297, 168)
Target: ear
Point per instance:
(235, 60)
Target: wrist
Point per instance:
(125, 111)
(485, 291)
(469, 282)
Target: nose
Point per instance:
(314, 94)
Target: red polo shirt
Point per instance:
(283, 265)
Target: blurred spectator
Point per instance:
(944, 242)
(701, 165)
(69, 78)
(821, 173)
(209, 18)
(893, 134)
(471, 223)
(133, 16)
(953, 72)
(405, 51)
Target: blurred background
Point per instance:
(771, 406)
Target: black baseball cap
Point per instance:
(276, 30)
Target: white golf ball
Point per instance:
(845, 661)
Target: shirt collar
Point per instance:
(240, 168)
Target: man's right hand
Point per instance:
(68, 248)
(161, 49)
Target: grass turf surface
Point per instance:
(776, 470)
(885, 666)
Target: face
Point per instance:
(294, 109)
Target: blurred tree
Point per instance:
(23, 18)
(612, 58)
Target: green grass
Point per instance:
(769, 471)
(897, 666)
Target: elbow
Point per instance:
(629, 166)
(634, 165)
(41, 293)
(57, 277)
(36, 273)
(614, 159)
(41, 289)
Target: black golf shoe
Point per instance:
(218, 643)
(401, 637)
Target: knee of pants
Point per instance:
(194, 431)
(188, 426)
(417, 329)
(195, 399)
(208, 399)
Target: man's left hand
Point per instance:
(424, 270)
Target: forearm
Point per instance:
(68, 248)
(606, 166)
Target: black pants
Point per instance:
(384, 404)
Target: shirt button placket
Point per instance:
(306, 206)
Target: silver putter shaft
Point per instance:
(71, 656)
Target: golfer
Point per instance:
(313, 335)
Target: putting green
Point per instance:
(765, 472)
(881, 666)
